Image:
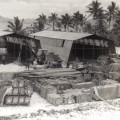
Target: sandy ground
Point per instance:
(11, 68)
(39, 109)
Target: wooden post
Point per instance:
(14, 49)
(83, 52)
(93, 51)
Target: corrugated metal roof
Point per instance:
(3, 33)
(61, 35)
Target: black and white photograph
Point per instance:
(59, 59)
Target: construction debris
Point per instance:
(64, 85)
(68, 86)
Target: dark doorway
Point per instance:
(14, 49)
(84, 52)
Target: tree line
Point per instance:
(106, 22)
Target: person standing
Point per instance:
(3, 59)
(35, 63)
(27, 64)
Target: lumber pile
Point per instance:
(69, 86)
(65, 74)
(61, 72)
(86, 85)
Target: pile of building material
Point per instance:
(64, 73)
(17, 93)
(70, 96)
(7, 76)
(67, 86)
(106, 92)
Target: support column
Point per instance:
(83, 52)
(93, 52)
(14, 49)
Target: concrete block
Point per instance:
(78, 95)
(69, 98)
(47, 89)
(85, 97)
(54, 99)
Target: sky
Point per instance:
(33, 8)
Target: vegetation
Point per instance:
(78, 21)
(94, 9)
(40, 23)
(104, 22)
(16, 26)
(66, 21)
(53, 19)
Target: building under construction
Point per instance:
(69, 45)
(12, 43)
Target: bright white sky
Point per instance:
(33, 8)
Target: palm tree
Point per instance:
(59, 25)
(111, 12)
(88, 27)
(116, 31)
(101, 25)
(116, 28)
(53, 19)
(16, 26)
(94, 8)
(37, 26)
(66, 21)
(42, 20)
(78, 20)
(109, 15)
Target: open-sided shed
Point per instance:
(12, 43)
(69, 45)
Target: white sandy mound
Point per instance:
(39, 109)
(11, 68)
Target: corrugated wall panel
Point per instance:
(53, 45)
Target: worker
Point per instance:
(27, 64)
(35, 63)
(3, 59)
(75, 63)
(31, 59)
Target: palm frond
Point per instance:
(16, 26)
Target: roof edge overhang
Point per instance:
(94, 35)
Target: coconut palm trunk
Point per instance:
(53, 26)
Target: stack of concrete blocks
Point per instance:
(47, 89)
(70, 96)
(55, 99)
(20, 93)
